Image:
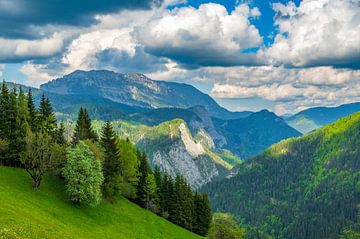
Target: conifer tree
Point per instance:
(83, 128)
(32, 111)
(111, 187)
(60, 134)
(4, 110)
(202, 214)
(183, 206)
(13, 130)
(144, 170)
(47, 117)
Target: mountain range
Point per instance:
(305, 187)
(313, 118)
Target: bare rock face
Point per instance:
(182, 155)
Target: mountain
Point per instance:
(248, 136)
(171, 146)
(47, 214)
(135, 90)
(313, 118)
(306, 187)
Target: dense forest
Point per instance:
(93, 167)
(305, 187)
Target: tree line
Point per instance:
(94, 167)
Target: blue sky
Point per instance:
(252, 54)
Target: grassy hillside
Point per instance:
(47, 214)
(306, 187)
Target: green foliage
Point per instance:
(46, 214)
(111, 187)
(202, 214)
(83, 176)
(299, 188)
(83, 128)
(143, 192)
(129, 164)
(40, 157)
(224, 226)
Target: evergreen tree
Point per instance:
(151, 196)
(4, 112)
(47, 117)
(144, 170)
(13, 155)
(111, 187)
(166, 196)
(83, 129)
(32, 112)
(183, 206)
(60, 134)
(202, 214)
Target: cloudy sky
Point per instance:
(252, 54)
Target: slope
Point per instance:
(306, 187)
(46, 214)
(313, 118)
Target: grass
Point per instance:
(47, 214)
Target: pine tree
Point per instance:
(14, 129)
(83, 129)
(183, 206)
(47, 117)
(4, 110)
(144, 170)
(60, 134)
(202, 214)
(111, 164)
(168, 199)
(33, 115)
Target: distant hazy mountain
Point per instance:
(313, 118)
(306, 187)
(135, 90)
(248, 136)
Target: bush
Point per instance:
(83, 176)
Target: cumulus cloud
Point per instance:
(22, 50)
(36, 74)
(316, 33)
(205, 36)
(293, 89)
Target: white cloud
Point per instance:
(81, 53)
(208, 35)
(292, 89)
(19, 50)
(36, 74)
(322, 32)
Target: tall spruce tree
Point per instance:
(60, 134)
(4, 112)
(83, 128)
(33, 114)
(202, 214)
(111, 187)
(47, 117)
(142, 196)
(183, 206)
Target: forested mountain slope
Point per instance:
(306, 187)
(46, 214)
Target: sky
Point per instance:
(285, 56)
